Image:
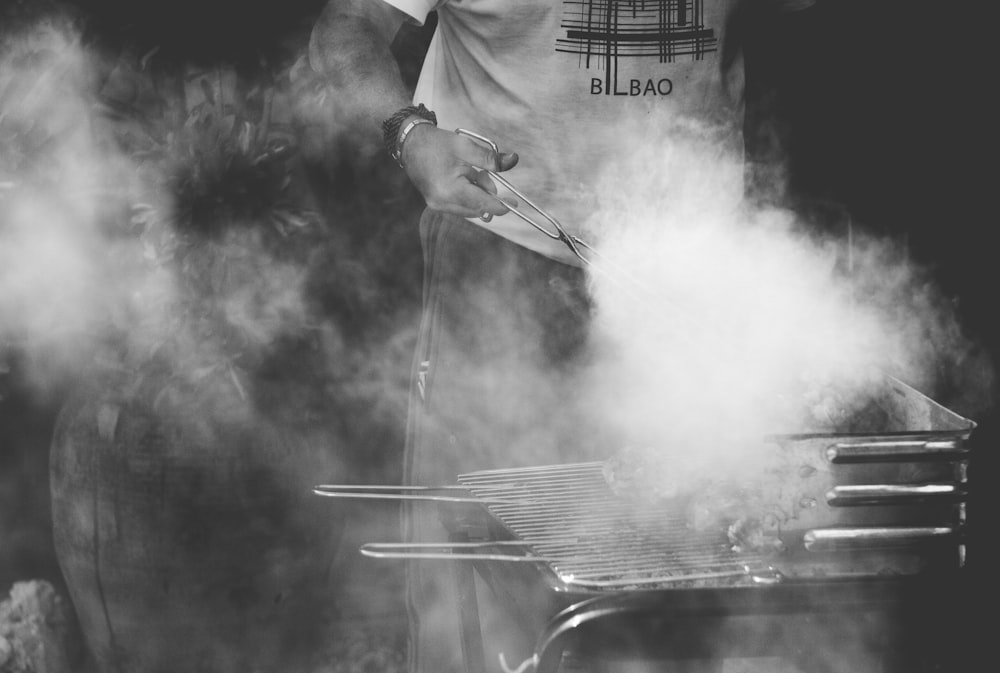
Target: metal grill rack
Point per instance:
(591, 538)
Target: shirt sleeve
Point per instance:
(415, 9)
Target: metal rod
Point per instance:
(422, 550)
(758, 576)
(894, 494)
(892, 451)
(395, 487)
(388, 493)
(830, 539)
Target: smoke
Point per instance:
(142, 222)
(717, 316)
(709, 311)
(77, 268)
(51, 282)
(157, 227)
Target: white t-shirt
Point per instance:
(571, 85)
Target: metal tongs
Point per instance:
(558, 232)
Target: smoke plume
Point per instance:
(716, 316)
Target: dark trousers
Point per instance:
(503, 338)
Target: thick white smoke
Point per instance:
(51, 283)
(716, 315)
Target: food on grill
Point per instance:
(750, 507)
(752, 534)
(750, 522)
(747, 512)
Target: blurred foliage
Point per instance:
(239, 230)
(230, 234)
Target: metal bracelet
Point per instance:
(397, 153)
(390, 126)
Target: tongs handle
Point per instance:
(559, 233)
(445, 551)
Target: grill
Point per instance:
(841, 523)
(872, 527)
(887, 553)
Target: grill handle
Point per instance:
(855, 495)
(411, 493)
(450, 551)
(889, 537)
(898, 451)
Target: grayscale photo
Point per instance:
(497, 336)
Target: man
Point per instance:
(567, 90)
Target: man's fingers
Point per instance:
(453, 174)
(483, 181)
(498, 162)
(483, 156)
(502, 203)
(484, 201)
(473, 201)
(507, 161)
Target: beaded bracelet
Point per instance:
(391, 135)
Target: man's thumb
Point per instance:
(507, 160)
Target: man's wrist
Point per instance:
(397, 127)
(410, 124)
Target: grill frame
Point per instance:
(577, 619)
(929, 436)
(586, 537)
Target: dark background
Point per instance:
(876, 106)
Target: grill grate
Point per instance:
(589, 537)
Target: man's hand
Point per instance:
(350, 45)
(449, 171)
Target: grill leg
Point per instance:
(468, 611)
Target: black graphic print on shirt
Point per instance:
(601, 32)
